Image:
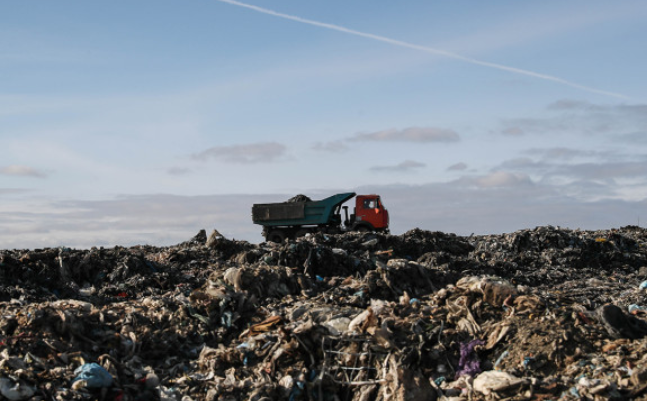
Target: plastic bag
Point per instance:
(93, 375)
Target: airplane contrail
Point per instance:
(426, 49)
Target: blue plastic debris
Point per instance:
(500, 359)
(527, 361)
(226, 319)
(297, 391)
(94, 375)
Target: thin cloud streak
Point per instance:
(405, 166)
(266, 152)
(12, 191)
(21, 171)
(583, 118)
(496, 179)
(457, 167)
(426, 49)
(332, 146)
(413, 134)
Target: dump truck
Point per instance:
(301, 215)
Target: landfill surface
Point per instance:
(538, 314)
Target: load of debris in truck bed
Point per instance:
(544, 313)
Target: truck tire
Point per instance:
(276, 236)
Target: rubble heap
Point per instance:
(538, 314)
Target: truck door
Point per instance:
(369, 209)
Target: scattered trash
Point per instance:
(15, 390)
(500, 383)
(544, 313)
(91, 375)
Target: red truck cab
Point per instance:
(370, 214)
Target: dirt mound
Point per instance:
(546, 313)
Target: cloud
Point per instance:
(265, 152)
(455, 208)
(497, 179)
(156, 219)
(577, 117)
(521, 163)
(12, 191)
(412, 134)
(569, 104)
(502, 179)
(332, 146)
(178, 171)
(457, 167)
(585, 175)
(562, 153)
(605, 171)
(22, 171)
(518, 127)
(437, 52)
(452, 207)
(405, 166)
(634, 137)
(580, 164)
(600, 113)
(513, 131)
(638, 110)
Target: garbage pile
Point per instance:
(538, 314)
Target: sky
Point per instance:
(133, 123)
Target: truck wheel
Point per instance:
(276, 236)
(361, 229)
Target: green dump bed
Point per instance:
(300, 213)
